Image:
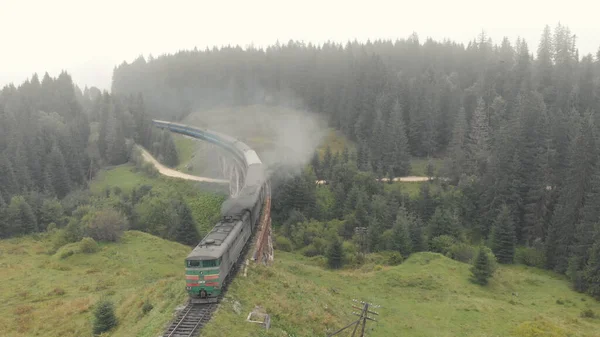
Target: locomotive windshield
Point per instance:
(192, 263)
(203, 263)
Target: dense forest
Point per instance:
(53, 140)
(518, 130)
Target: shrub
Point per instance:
(588, 313)
(283, 243)
(104, 317)
(530, 256)
(462, 252)
(106, 225)
(335, 254)
(88, 245)
(51, 227)
(441, 244)
(310, 251)
(147, 307)
(395, 259)
(67, 250)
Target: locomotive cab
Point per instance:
(202, 279)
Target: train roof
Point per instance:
(216, 243)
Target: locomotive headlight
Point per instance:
(188, 288)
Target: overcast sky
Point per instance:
(88, 38)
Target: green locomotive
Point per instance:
(209, 265)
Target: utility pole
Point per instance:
(362, 320)
(362, 238)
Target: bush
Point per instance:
(441, 244)
(588, 313)
(88, 245)
(147, 307)
(395, 259)
(462, 252)
(529, 256)
(310, 251)
(106, 225)
(68, 250)
(282, 243)
(51, 227)
(104, 317)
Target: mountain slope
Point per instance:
(427, 295)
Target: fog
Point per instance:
(89, 38)
(282, 137)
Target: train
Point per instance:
(209, 265)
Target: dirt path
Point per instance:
(409, 179)
(176, 174)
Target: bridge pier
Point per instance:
(231, 170)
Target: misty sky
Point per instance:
(88, 38)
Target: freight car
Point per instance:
(210, 263)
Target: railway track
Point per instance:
(193, 317)
(190, 320)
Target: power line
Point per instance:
(362, 320)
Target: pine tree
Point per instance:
(21, 219)
(397, 154)
(59, 176)
(105, 318)
(8, 182)
(478, 140)
(417, 236)
(327, 163)
(592, 272)
(443, 222)
(169, 150)
(316, 164)
(544, 70)
(361, 212)
(363, 156)
(504, 237)
(401, 240)
(455, 161)
(481, 270)
(185, 230)
(335, 254)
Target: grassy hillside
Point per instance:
(46, 295)
(427, 295)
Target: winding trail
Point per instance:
(176, 174)
(169, 172)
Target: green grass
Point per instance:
(44, 295)
(419, 166)
(413, 189)
(123, 176)
(336, 141)
(186, 147)
(204, 199)
(427, 295)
